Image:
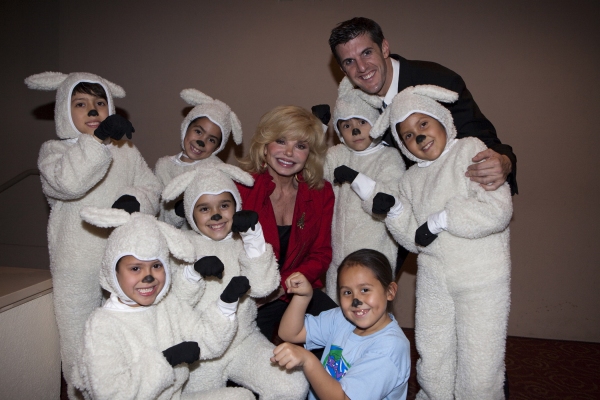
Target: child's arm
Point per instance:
(290, 356)
(146, 187)
(69, 170)
(291, 327)
(400, 219)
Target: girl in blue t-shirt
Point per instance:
(366, 353)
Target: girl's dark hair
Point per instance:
(93, 89)
(372, 259)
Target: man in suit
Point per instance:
(363, 54)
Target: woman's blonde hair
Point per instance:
(291, 123)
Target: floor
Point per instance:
(536, 369)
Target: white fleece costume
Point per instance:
(247, 360)
(380, 169)
(78, 171)
(463, 279)
(122, 355)
(169, 167)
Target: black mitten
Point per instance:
(344, 174)
(322, 111)
(114, 126)
(423, 236)
(236, 288)
(209, 266)
(179, 210)
(184, 352)
(382, 203)
(244, 220)
(127, 203)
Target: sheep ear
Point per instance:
(179, 244)
(195, 97)
(345, 87)
(117, 91)
(381, 125)
(178, 185)
(104, 217)
(437, 93)
(236, 128)
(236, 173)
(372, 100)
(45, 80)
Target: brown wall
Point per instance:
(532, 66)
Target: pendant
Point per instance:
(300, 223)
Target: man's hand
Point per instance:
(298, 284)
(289, 355)
(492, 172)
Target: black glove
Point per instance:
(322, 112)
(114, 126)
(382, 203)
(179, 210)
(127, 203)
(184, 352)
(344, 174)
(236, 288)
(209, 266)
(244, 220)
(423, 236)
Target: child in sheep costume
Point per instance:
(197, 144)
(247, 360)
(461, 234)
(86, 169)
(358, 168)
(133, 350)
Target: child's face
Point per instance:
(87, 111)
(213, 215)
(201, 139)
(363, 299)
(355, 132)
(423, 136)
(140, 280)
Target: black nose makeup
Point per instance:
(93, 113)
(355, 131)
(216, 217)
(148, 279)
(200, 143)
(356, 303)
(420, 138)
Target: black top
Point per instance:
(284, 238)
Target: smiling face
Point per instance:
(355, 132)
(213, 215)
(286, 157)
(201, 139)
(363, 299)
(423, 136)
(140, 280)
(87, 111)
(366, 65)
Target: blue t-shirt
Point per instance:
(373, 367)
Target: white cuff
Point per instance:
(363, 186)
(190, 274)
(228, 309)
(437, 222)
(396, 209)
(254, 241)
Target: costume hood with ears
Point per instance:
(139, 235)
(64, 84)
(422, 99)
(351, 104)
(206, 179)
(215, 110)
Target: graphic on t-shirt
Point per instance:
(335, 364)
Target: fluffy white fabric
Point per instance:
(354, 226)
(463, 279)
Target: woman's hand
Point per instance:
(272, 297)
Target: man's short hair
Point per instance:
(348, 30)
